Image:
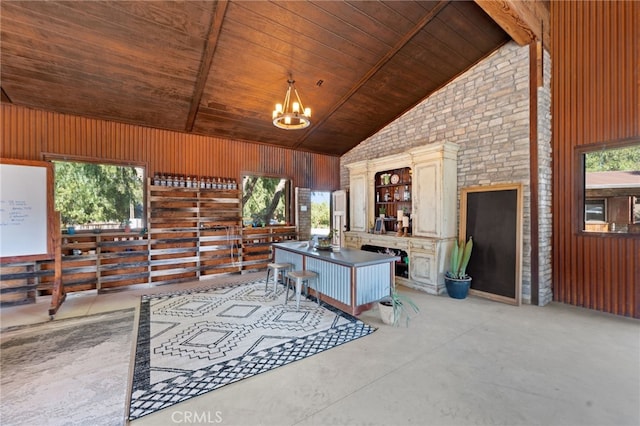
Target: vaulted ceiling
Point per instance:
(217, 68)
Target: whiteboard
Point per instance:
(24, 211)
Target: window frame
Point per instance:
(579, 196)
(51, 157)
(288, 195)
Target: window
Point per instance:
(611, 188)
(99, 196)
(265, 201)
(320, 213)
(595, 210)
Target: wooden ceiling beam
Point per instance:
(524, 21)
(4, 97)
(207, 59)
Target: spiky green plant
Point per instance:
(460, 256)
(402, 305)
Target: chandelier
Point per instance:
(291, 115)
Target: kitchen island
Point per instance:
(351, 280)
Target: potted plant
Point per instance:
(382, 211)
(456, 279)
(327, 241)
(394, 306)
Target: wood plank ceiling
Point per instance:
(218, 68)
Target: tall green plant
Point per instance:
(460, 256)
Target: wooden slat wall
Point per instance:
(595, 99)
(28, 134)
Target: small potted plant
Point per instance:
(456, 279)
(394, 306)
(327, 241)
(382, 211)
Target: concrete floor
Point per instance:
(460, 362)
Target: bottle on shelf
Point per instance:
(407, 193)
(156, 179)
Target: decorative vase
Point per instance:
(386, 312)
(457, 288)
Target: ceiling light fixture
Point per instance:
(291, 115)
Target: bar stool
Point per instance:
(278, 269)
(300, 277)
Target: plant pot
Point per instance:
(457, 288)
(386, 312)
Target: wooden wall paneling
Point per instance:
(29, 134)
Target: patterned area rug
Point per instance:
(67, 372)
(191, 343)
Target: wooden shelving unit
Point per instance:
(98, 261)
(123, 260)
(220, 239)
(172, 220)
(193, 233)
(256, 244)
(393, 193)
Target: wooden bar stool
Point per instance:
(278, 269)
(302, 277)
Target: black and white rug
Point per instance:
(190, 343)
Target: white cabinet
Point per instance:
(433, 210)
(435, 191)
(358, 185)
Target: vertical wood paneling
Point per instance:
(27, 134)
(595, 96)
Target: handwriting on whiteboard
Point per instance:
(14, 212)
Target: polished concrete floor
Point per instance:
(460, 362)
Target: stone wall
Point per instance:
(545, 229)
(486, 112)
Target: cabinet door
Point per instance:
(358, 201)
(339, 215)
(427, 199)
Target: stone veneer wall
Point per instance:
(486, 112)
(545, 225)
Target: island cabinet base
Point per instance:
(427, 257)
(350, 280)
